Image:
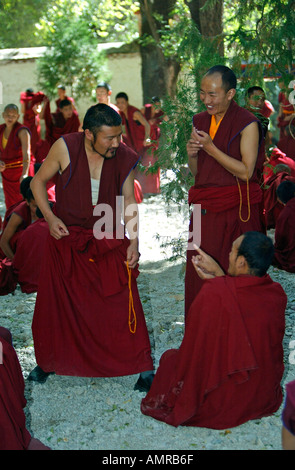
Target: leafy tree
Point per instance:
(72, 57)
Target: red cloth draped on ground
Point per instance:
(229, 366)
(285, 238)
(216, 188)
(31, 119)
(81, 318)
(272, 206)
(13, 432)
(13, 158)
(288, 415)
(278, 157)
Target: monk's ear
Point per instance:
(242, 265)
(88, 134)
(231, 93)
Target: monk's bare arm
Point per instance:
(138, 116)
(10, 229)
(131, 220)
(25, 139)
(192, 147)
(248, 147)
(56, 160)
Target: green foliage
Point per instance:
(72, 58)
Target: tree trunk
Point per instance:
(160, 73)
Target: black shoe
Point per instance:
(144, 384)
(38, 375)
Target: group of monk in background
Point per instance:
(243, 193)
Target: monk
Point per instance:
(285, 228)
(22, 215)
(288, 418)
(229, 366)
(226, 159)
(136, 135)
(15, 154)
(13, 432)
(88, 318)
(61, 123)
(277, 157)
(103, 95)
(255, 100)
(155, 116)
(62, 95)
(31, 108)
(272, 206)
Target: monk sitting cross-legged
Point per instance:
(229, 366)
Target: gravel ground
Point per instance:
(73, 413)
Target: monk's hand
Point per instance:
(2, 166)
(204, 141)
(205, 266)
(57, 228)
(193, 145)
(132, 254)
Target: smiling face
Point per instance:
(122, 104)
(214, 96)
(106, 141)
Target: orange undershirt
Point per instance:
(4, 142)
(214, 127)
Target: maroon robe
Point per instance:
(31, 119)
(285, 238)
(13, 432)
(23, 211)
(13, 158)
(278, 157)
(134, 137)
(230, 364)
(272, 207)
(81, 319)
(28, 256)
(56, 127)
(217, 191)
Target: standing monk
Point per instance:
(15, 154)
(103, 95)
(226, 159)
(30, 103)
(88, 319)
(136, 135)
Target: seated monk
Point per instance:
(285, 228)
(21, 216)
(13, 432)
(229, 366)
(273, 207)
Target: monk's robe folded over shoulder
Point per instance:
(229, 366)
(12, 156)
(285, 238)
(82, 324)
(278, 157)
(229, 208)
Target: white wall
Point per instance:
(18, 75)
